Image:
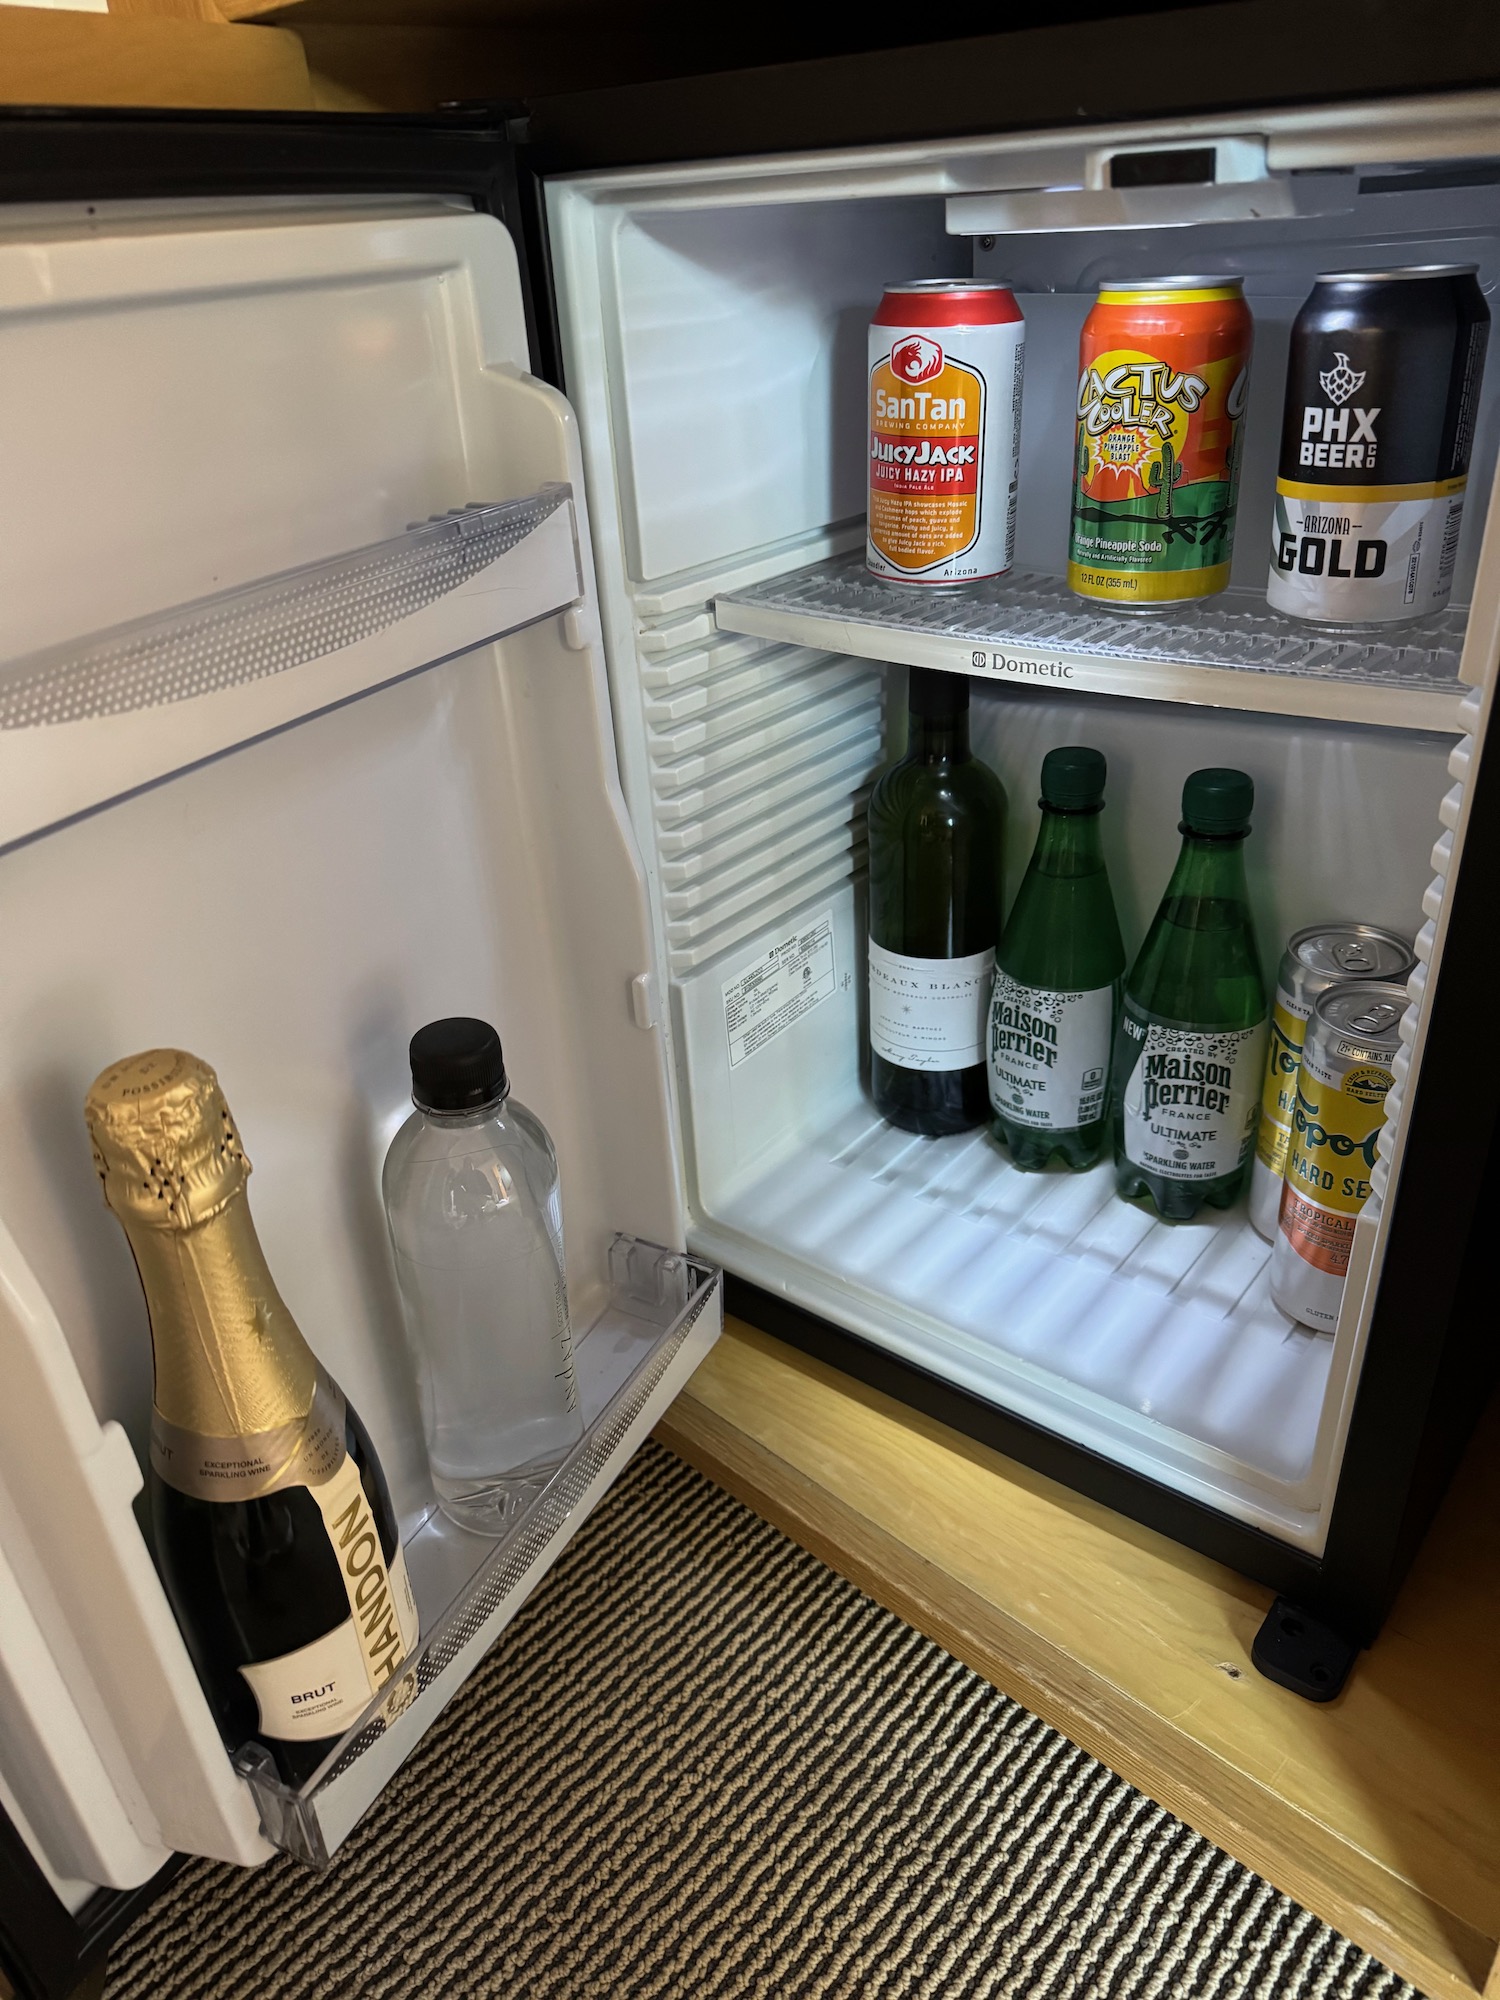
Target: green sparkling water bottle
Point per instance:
(936, 821)
(1057, 979)
(1192, 1038)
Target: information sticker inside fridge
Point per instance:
(778, 989)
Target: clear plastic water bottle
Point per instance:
(472, 1199)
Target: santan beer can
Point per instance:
(946, 362)
(1336, 1125)
(1163, 375)
(1321, 956)
(1382, 391)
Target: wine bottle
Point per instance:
(1192, 1040)
(273, 1527)
(1057, 979)
(936, 822)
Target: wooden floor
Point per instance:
(1380, 1812)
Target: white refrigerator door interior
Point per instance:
(714, 323)
(274, 873)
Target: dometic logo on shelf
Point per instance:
(917, 359)
(1020, 666)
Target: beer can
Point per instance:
(1336, 1123)
(1382, 392)
(1321, 956)
(947, 357)
(1163, 377)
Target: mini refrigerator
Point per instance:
(431, 581)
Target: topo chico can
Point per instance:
(1163, 376)
(1382, 392)
(1321, 956)
(947, 356)
(1336, 1123)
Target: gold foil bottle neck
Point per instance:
(165, 1146)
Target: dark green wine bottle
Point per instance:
(936, 823)
(1192, 1041)
(1057, 979)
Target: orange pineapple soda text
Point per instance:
(946, 364)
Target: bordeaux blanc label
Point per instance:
(929, 1013)
(1049, 1054)
(1190, 1098)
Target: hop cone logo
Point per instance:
(1341, 381)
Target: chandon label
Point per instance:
(1190, 1098)
(1049, 1054)
(929, 1013)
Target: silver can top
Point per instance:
(951, 285)
(1351, 951)
(1220, 281)
(1363, 1018)
(1396, 275)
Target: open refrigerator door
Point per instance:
(306, 740)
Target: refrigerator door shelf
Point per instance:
(85, 723)
(1029, 629)
(664, 1313)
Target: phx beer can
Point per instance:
(1315, 959)
(1382, 391)
(1336, 1123)
(1163, 376)
(946, 363)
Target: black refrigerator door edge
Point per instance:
(1290, 1571)
(46, 1952)
(1235, 55)
(468, 152)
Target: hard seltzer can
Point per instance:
(1321, 956)
(947, 358)
(1336, 1124)
(1382, 392)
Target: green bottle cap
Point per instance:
(1218, 801)
(1073, 778)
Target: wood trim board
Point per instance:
(1380, 1812)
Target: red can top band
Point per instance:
(948, 302)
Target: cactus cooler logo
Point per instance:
(1156, 465)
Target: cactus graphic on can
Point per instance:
(1164, 371)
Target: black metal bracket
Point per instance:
(1300, 1652)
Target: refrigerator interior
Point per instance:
(286, 860)
(714, 331)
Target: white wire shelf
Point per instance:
(1030, 630)
(665, 1312)
(90, 720)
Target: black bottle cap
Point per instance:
(1073, 778)
(937, 696)
(456, 1065)
(1218, 801)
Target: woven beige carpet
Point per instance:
(701, 1765)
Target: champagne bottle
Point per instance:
(1057, 979)
(936, 820)
(1192, 1041)
(273, 1528)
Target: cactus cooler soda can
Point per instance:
(1336, 1124)
(1315, 959)
(1163, 376)
(1382, 391)
(946, 362)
